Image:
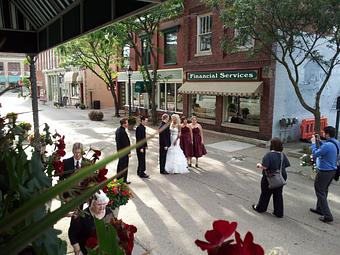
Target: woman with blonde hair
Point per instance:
(175, 163)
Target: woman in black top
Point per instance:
(83, 227)
(271, 162)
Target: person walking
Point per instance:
(326, 155)
(164, 142)
(186, 139)
(141, 150)
(273, 160)
(197, 140)
(123, 141)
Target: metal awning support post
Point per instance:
(33, 80)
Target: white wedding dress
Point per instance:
(176, 162)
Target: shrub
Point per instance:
(96, 115)
(132, 120)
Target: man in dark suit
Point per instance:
(141, 150)
(164, 142)
(123, 141)
(74, 162)
(71, 165)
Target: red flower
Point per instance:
(58, 167)
(91, 242)
(103, 171)
(248, 247)
(105, 189)
(115, 190)
(61, 153)
(97, 152)
(101, 178)
(125, 192)
(221, 230)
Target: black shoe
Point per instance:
(196, 165)
(315, 211)
(278, 216)
(128, 182)
(254, 207)
(164, 172)
(324, 219)
(189, 165)
(144, 176)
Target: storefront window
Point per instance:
(179, 99)
(242, 110)
(139, 99)
(162, 96)
(169, 99)
(75, 89)
(203, 106)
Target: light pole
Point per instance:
(129, 73)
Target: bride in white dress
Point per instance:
(176, 162)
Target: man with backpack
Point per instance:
(326, 154)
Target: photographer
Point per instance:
(326, 154)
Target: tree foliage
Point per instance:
(129, 31)
(293, 32)
(99, 52)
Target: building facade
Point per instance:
(71, 86)
(227, 92)
(12, 69)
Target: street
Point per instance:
(172, 211)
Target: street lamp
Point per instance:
(129, 73)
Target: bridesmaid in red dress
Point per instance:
(186, 139)
(198, 143)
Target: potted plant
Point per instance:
(132, 122)
(12, 117)
(96, 115)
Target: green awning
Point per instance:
(3, 78)
(13, 78)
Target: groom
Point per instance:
(164, 142)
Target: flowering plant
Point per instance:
(25, 125)
(217, 245)
(118, 192)
(106, 243)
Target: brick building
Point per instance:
(12, 69)
(227, 92)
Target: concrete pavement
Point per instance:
(172, 211)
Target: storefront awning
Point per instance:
(223, 88)
(13, 78)
(3, 78)
(70, 77)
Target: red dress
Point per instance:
(198, 147)
(185, 141)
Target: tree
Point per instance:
(146, 25)
(293, 32)
(98, 52)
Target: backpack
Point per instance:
(337, 173)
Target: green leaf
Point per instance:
(107, 237)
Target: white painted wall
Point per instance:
(286, 104)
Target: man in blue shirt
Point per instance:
(326, 154)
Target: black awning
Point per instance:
(33, 26)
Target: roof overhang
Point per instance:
(35, 26)
(237, 88)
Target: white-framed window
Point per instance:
(244, 43)
(138, 99)
(204, 34)
(74, 89)
(168, 97)
(126, 55)
(243, 110)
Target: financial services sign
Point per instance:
(232, 75)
